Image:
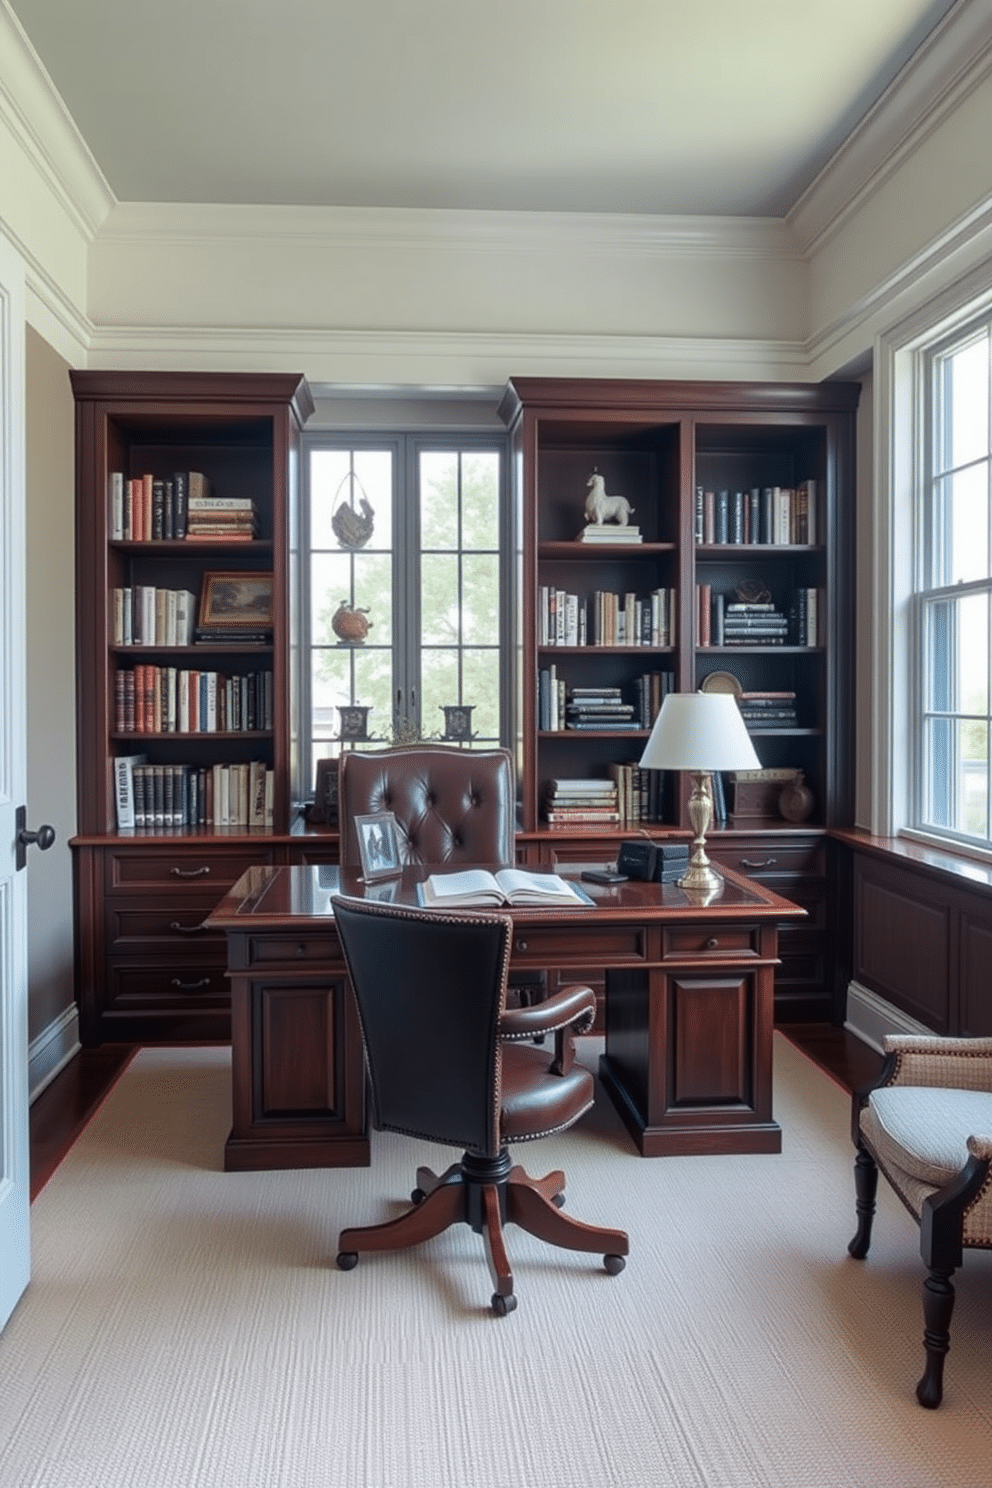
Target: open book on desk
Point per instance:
(476, 886)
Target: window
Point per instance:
(404, 587)
(952, 605)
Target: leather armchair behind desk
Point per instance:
(451, 805)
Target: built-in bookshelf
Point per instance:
(738, 576)
(184, 490)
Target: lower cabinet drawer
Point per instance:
(174, 866)
(766, 858)
(164, 926)
(162, 987)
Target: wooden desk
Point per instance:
(689, 985)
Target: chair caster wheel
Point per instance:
(614, 1264)
(503, 1305)
(417, 1196)
(347, 1260)
(559, 1201)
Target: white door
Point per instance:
(15, 1187)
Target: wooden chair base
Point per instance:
(487, 1193)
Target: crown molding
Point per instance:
(403, 228)
(954, 60)
(944, 261)
(433, 359)
(53, 315)
(32, 110)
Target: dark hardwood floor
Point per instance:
(63, 1109)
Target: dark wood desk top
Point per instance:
(302, 894)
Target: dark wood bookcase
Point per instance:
(659, 444)
(145, 967)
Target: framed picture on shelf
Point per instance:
(236, 602)
(378, 845)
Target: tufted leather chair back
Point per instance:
(450, 805)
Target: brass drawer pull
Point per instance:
(188, 929)
(521, 945)
(712, 943)
(753, 862)
(189, 986)
(190, 872)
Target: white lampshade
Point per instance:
(699, 731)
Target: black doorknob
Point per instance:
(43, 838)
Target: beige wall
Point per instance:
(51, 628)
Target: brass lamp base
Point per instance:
(700, 876)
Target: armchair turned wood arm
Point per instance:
(570, 1011)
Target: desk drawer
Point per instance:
(294, 950)
(608, 945)
(685, 942)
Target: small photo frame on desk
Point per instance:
(378, 845)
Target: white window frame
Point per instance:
(892, 535)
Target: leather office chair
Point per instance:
(926, 1124)
(449, 1062)
(451, 805)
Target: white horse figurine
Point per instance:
(602, 508)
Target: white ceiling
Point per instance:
(726, 107)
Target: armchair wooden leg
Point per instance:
(552, 1186)
(428, 1180)
(503, 1300)
(938, 1305)
(527, 1206)
(440, 1209)
(865, 1189)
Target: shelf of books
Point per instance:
(684, 535)
(183, 488)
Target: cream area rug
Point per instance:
(188, 1327)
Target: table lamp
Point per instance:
(700, 732)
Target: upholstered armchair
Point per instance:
(451, 805)
(926, 1124)
(449, 1062)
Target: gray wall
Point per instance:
(51, 721)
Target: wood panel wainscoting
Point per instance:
(921, 931)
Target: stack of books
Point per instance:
(609, 532)
(224, 518)
(581, 802)
(748, 624)
(768, 710)
(599, 708)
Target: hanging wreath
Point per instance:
(352, 527)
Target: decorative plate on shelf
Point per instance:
(721, 682)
